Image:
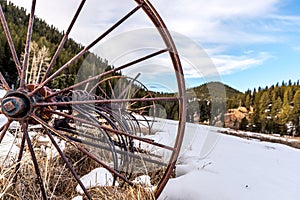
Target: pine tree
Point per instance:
(264, 104)
(296, 112)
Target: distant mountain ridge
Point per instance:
(207, 90)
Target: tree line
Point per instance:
(276, 109)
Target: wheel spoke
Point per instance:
(87, 48)
(63, 41)
(69, 165)
(107, 72)
(10, 41)
(27, 46)
(4, 83)
(4, 129)
(34, 160)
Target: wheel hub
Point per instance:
(16, 105)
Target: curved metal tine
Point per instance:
(87, 48)
(34, 160)
(83, 150)
(109, 72)
(27, 45)
(113, 130)
(3, 130)
(69, 165)
(108, 138)
(93, 89)
(63, 41)
(10, 41)
(4, 83)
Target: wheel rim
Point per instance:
(32, 104)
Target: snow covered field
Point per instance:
(233, 169)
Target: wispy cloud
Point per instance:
(228, 64)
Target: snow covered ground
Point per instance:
(234, 169)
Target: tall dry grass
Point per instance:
(58, 180)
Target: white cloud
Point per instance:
(212, 21)
(222, 23)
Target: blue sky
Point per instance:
(250, 43)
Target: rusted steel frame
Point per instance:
(34, 160)
(106, 101)
(63, 41)
(65, 159)
(19, 158)
(5, 84)
(76, 57)
(3, 129)
(108, 72)
(161, 27)
(61, 135)
(10, 41)
(113, 130)
(27, 46)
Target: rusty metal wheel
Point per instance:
(104, 126)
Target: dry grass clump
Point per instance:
(58, 180)
(136, 192)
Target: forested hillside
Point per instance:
(44, 36)
(276, 109)
(207, 102)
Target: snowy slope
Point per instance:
(235, 169)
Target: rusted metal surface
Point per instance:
(107, 123)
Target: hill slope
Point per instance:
(205, 91)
